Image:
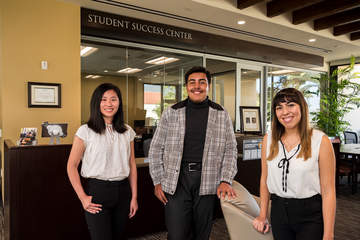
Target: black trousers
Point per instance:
(297, 219)
(110, 222)
(187, 215)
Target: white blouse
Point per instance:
(107, 155)
(303, 179)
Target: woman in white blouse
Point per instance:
(106, 147)
(297, 173)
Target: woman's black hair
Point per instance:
(96, 121)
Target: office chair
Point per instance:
(239, 214)
(350, 137)
(146, 146)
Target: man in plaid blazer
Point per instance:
(192, 159)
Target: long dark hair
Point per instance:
(277, 129)
(96, 121)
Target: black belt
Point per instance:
(192, 166)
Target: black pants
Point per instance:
(110, 222)
(297, 219)
(187, 215)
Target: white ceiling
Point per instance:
(280, 30)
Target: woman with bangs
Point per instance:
(297, 174)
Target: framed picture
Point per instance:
(250, 120)
(44, 95)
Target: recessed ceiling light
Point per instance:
(241, 22)
(86, 51)
(105, 70)
(92, 76)
(129, 70)
(312, 40)
(162, 60)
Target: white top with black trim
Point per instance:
(302, 179)
(106, 155)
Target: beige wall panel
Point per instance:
(34, 31)
(248, 93)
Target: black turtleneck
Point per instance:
(195, 131)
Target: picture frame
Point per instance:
(250, 120)
(44, 95)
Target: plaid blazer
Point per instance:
(219, 162)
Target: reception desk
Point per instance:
(41, 204)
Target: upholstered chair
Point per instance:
(239, 214)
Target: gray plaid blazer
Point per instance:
(219, 161)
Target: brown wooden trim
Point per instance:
(336, 19)
(277, 7)
(241, 4)
(322, 9)
(355, 36)
(347, 28)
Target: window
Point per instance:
(306, 82)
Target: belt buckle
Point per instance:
(191, 164)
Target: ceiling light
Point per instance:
(312, 40)
(241, 22)
(281, 72)
(162, 60)
(105, 70)
(129, 70)
(92, 76)
(86, 51)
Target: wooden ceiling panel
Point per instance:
(322, 9)
(241, 4)
(337, 19)
(277, 7)
(347, 28)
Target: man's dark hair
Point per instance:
(198, 69)
(96, 121)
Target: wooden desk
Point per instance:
(354, 151)
(41, 204)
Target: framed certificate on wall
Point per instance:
(44, 95)
(250, 120)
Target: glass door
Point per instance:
(250, 87)
(223, 82)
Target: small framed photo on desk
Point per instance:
(44, 95)
(250, 120)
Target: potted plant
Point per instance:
(338, 96)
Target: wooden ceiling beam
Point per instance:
(337, 19)
(355, 36)
(347, 28)
(322, 9)
(241, 4)
(277, 7)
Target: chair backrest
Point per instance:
(350, 137)
(146, 146)
(244, 200)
